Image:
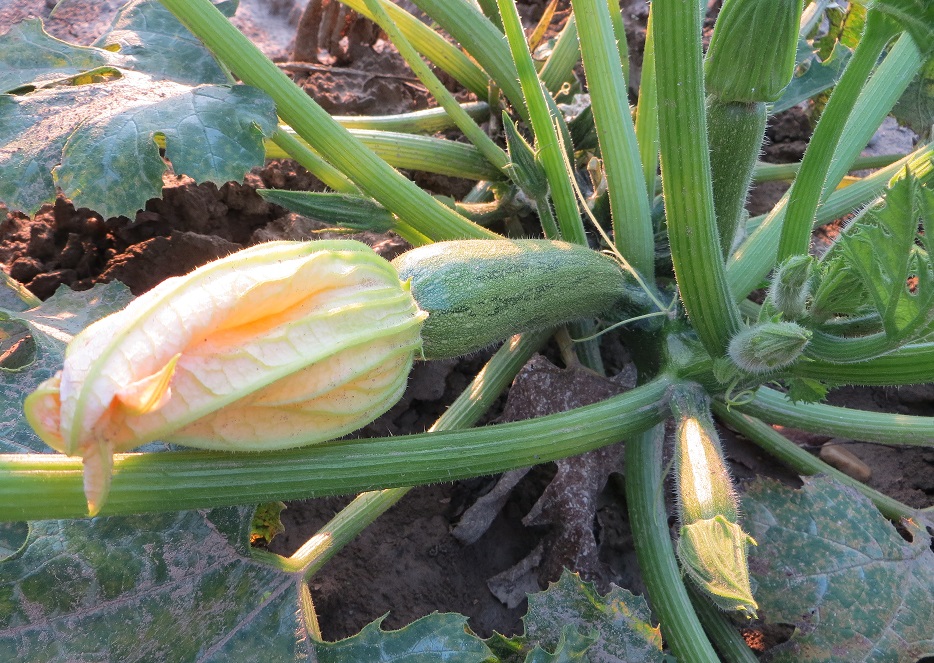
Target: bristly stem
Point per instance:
(629, 203)
(645, 498)
(686, 178)
(647, 112)
(808, 187)
(547, 143)
(397, 193)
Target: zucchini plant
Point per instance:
(258, 361)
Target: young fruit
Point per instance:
(477, 292)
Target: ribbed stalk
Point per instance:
(484, 144)
(559, 67)
(488, 384)
(806, 192)
(37, 486)
(911, 364)
(692, 228)
(443, 54)
(645, 499)
(754, 258)
(297, 149)
(727, 640)
(777, 445)
(619, 34)
(773, 407)
(776, 172)
(547, 144)
(427, 121)
(647, 112)
(629, 203)
(482, 41)
(400, 195)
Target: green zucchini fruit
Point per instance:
(478, 292)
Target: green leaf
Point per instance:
(31, 56)
(166, 587)
(815, 78)
(916, 16)
(51, 325)
(143, 37)
(829, 563)
(807, 390)
(436, 637)
(915, 107)
(151, 40)
(620, 620)
(885, 249)
(103, 135)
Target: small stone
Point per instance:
(835, 454)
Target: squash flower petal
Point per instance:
(279, 345)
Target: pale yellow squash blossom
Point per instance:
(280, 345)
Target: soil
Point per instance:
(521, 528)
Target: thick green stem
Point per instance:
(493, 153)
(806, 192)
(777, 445)
(400, 195)
(647, 112)
(629, 202)
(311, 161)
(482, 40)
(547, 143)
(721, 630)
(488, 384)
(692, 227)
(559, 68)
(39, 486)
(645, 497)
(773, 407)
(911, 364)
(438, 50)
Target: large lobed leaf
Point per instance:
(143, 37)
(830, 564)
(89, 118)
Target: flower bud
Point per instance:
(280, 345)
(713, 554)
(767, 346)
(791, 286)
(752, 51)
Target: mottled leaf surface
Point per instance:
(143, 37)
(51, 325)
(830, 564)
(167, 587)
(103, 136)
(151, 40)
(570, 612)
(437, 638)
(31, 56)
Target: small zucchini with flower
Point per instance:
(712, 544)
(293, 343)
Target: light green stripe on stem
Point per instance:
(777, 445)
(806, 192)
(692, 227)
(464, 412)
(445, 55)
(911, 364)
(427, 121)
(629, 202)
(484, 144)
(645, 497)
(39, 486)
(546, 136)
(773, 407)
(310, 160)
(647, 112)
(482, 41)
(374, 176)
